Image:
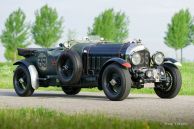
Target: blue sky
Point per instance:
(148, 18)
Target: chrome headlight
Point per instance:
(158, 58)
(136, 58)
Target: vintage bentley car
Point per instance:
(113, 68)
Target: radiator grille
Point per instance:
(145, 58)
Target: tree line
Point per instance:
(112, 25)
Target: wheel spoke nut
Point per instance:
(21, 80)
(113, 82)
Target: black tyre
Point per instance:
(22, 81)
(172, 86)
(116, 82)
(71, 90)
(69, 67)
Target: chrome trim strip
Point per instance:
(129, 51)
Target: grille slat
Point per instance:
(145, 56)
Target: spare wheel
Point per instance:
(69, 67)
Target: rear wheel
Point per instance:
(71, 90)
(116, 82)
(22, 81)
(172, 86)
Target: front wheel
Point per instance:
(22, 81)
(116, 82)
(71, 90)
(172, 86)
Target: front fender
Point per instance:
(172, 61)
(33, 72)
(119, 61)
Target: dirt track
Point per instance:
(179, 110)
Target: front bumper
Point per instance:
(151, 75)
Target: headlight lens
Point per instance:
(136, 58)
(158, 58)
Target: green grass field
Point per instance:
(46, 119)
(187, 71)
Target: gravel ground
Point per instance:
(179, 110)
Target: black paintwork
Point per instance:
(95, 57)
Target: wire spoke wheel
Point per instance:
(171, 87)
(169, 82)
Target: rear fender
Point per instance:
(33, 72)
